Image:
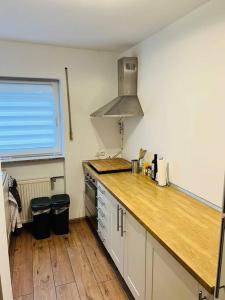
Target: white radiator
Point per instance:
(29, 189)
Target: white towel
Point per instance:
(15, 215)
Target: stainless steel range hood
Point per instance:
(127, 103)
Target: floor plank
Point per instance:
(27, 297)
(67, 292)
(72, 239)
(61, 266)
(72, 266)
(112, 290)
(22, 282)
(101, 267)
(44, 288)
(84, 276)
(12, 247)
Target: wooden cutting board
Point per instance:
(110, 165)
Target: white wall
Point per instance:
(181, 87)
(93, 82)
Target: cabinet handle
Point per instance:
(118, 216)
(200, 297)
(121, 227)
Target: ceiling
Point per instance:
(113, 25)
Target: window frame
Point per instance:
(37, 154)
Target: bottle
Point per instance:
(148, 158)
(149, 170)
(154, 167)
(145, 167)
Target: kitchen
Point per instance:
(180, 89)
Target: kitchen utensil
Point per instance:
(135, 166)
(110, 165)
(142, 153)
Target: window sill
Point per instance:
(43, 159)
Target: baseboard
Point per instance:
(77, 220)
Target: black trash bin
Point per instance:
(41, 208)
(60, 213)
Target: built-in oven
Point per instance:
(91, 199)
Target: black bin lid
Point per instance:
(60, 200)
(40, 203)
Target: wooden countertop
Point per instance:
(187, 228)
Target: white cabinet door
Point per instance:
(203, 293)
(169, 284)
(170, 280)
(149, 268)
(117, 240)
(134, 256)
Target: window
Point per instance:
(30, 118)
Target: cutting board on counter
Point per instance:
(110, 165)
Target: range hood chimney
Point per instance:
(127, 103)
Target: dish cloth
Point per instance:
(14, 191)
(15, 215)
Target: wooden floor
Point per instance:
(69, 267)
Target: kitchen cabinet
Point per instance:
(128, 245)
(169, 282)
(204, 295)
(149, 271)
(167, 279)
(103, 216)
(134, 249)
(149, 267)
(117, 239)
(109, 225)
(134, 255)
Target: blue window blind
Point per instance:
(29, 119)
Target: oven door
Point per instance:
(91, 202)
